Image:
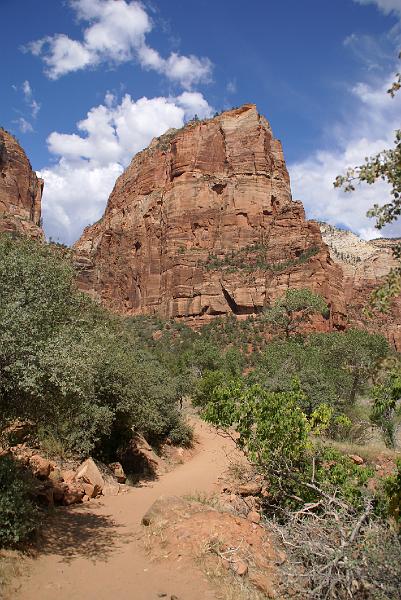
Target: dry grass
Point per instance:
(371, 452)
(11, 566)
(156, 532)
(228, 586)
(211, 500)
(240, 471)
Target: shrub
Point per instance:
(386, 405)
(389, 496)
(18, 515)
(181, 434)
(273, 430)
(69, 366)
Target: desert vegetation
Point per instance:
(300, 403)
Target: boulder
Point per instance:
(118, 472)
(59, 489)
(252, 488)
(41, 467)
(254, 516)
(89, 472)
(111, 487)
(90, 490)
(358, 460)
(240, 567)
(55, 475)
(45, 494)
(68, 475)
(138, 457)
(263, 583)
(73, 495)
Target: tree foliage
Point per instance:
(293, 310)
(68, 365)
(18, 515)
(386, 407)
(332, 368)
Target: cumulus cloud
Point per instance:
(116, 33)
(78, 184)
(387, 6)
(368, 129)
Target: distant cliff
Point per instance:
(20, 190)
(202, 224)
(365, 264)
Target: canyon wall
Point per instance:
(202, 223)
(20, 190)
(365, 265)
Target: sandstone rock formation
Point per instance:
(20, 190)
(365, 264)
(202, 223)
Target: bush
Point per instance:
(280, 440)
(338, 555)
(84, 376)
(18, 515)
(333, 368)
(389, 496)
(273, 430)
(181, 435)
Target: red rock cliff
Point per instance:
(365, 265)
(20, 190)
(202, 223)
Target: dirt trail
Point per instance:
(93, 551)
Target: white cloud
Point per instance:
(30, 100)
(368, 129)
(27, 90)
(24, 125)
(387, 6)
(116, 33)
(78, 185)
(232, 87)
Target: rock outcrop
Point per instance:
(202, 224)
(365, 265)
(20, 190)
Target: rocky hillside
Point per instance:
(364, 264)
(20, 190)
(202, 223)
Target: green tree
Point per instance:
(291, 312)
(321, 380)
(273, 431)
(69, 366)
(386, 398)
(357, 352)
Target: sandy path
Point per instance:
(93, 551)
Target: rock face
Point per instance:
(365, 264)
(202, 223)
(20, 190)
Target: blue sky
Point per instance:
(87, 83)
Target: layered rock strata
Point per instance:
(202, 224)
(20, 190)
(365, 265)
